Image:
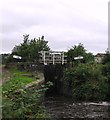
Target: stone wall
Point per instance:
(54, 74)
(27, 66)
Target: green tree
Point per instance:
(29, 49)
(106, 59)
(22, 49)
(79, 50)
(3, 58)
(37, 45)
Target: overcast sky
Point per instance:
(64, 23)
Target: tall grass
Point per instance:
(19, 102)
(17, 80)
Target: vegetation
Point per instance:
(106, 70)
(86, 82)
(29, 49)
(19, 102)
(79, 50)
(106, 59)
(3, 58)
(17, 80)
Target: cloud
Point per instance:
(63, 23)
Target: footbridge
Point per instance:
(52, 57)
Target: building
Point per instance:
(52, 57)
(99, 57)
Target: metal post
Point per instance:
(53, 58)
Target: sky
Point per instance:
(63, 23)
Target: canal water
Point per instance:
(62, 107)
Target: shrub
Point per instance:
(106, 73)
(87, 82)
(20, 101)
(23, 103)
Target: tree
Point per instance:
(3, 58)
(29, 49)
(79, 50)
(23, 49)
(106, 59)
(37, 45)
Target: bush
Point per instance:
(106, 73)
(106, 69)
(19, 101)
(24, 103)
(86, 82)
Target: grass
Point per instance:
(24, 103)
(17, 80)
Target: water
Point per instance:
(61, 107)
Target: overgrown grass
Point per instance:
(17, 80)
(19, 102)
(86, 82)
